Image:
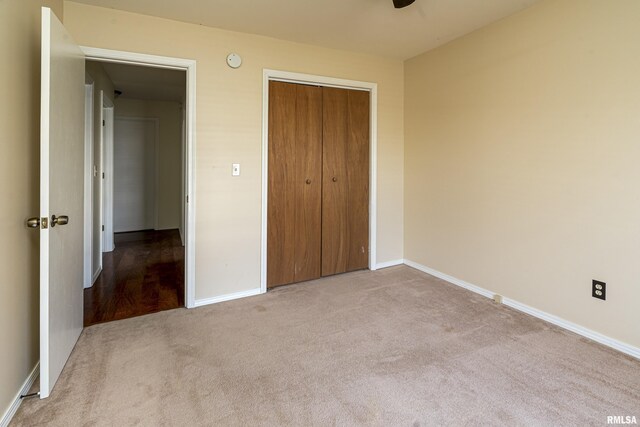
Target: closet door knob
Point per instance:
(334, 179)
(308, 181)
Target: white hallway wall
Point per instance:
(169, 115)
(101, 82)
(134, 175)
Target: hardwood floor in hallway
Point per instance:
(144, 274)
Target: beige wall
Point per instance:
(101, 82)
(19, 190)
(521, 160)
(229, 129)
(169, 115)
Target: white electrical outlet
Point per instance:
(235, 169)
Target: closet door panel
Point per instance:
(308, 183)
(281, 242)
(345, 203)
(334, 183)
(358, 180)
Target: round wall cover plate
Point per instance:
(234, 60)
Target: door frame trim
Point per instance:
(87, 274)
(189, 66)
(289, 77)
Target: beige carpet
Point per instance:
(395, 347)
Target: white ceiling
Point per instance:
(156, 84)
(369, 26)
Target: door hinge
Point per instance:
(187, 199)
(102, 175)
(103, 228)
(103, 123)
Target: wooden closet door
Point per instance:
(345, 193)
(281, 185)
(308, 222)
(294, 183)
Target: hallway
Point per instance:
(144, 274)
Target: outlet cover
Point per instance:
(599, 290)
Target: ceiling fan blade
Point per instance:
(399, 4)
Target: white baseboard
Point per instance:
(565, 324)
(580, 330)
(450, 279)
(96, 275)
(26, 386)
(387, 264)
(227, 297)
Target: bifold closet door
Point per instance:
(294, 183)
(345, 183)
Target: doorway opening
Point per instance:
(137, 180)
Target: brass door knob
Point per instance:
(33, 222)
(334, 179)
(59, 220)
(308, 181)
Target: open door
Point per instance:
(61, 199)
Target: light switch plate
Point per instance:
(235, 169)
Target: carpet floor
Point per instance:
(393, 347)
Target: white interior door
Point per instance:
(61, 195)
(134, 174)
(106, 198)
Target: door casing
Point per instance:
(285, 76)
(189, 66)
(88, 184)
